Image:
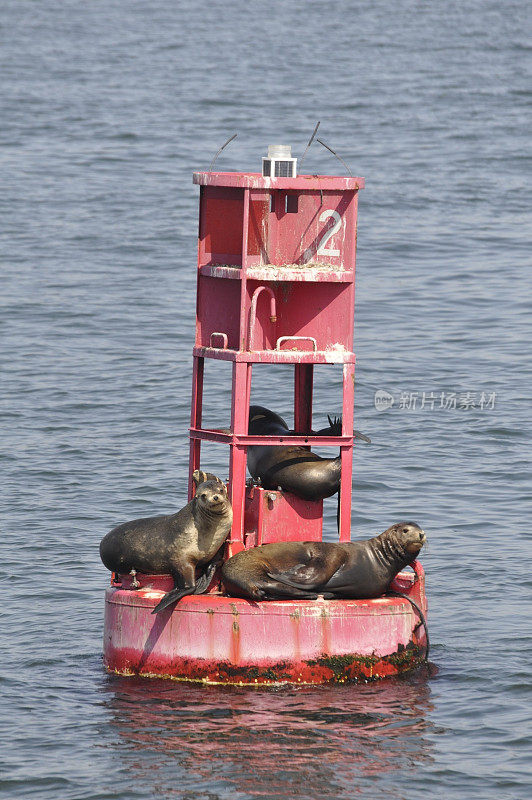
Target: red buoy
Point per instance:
(221, 639)
(275, 285)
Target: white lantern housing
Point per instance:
(279, 162)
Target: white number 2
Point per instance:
(329, 251)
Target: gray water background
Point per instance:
(107, 108)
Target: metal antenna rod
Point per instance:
(220, 150)
(309, 143)
(335, 154)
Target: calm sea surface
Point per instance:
(107, 108)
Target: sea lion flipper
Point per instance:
(172, 597)
(301, 575)
(334, 428)
(310, 576)
(203, 580)
(287, 580)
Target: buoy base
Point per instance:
(223, 640)
(352, 668)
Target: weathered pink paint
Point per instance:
(333, 355)
(230, 640)
(273, 516)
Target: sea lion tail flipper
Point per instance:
(334, 428)
(336, 425)
(172, 597)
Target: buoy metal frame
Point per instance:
(275, 285)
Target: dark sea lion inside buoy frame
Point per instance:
(304, 570)
(183, 544)
(292, 468)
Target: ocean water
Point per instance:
(107, 108)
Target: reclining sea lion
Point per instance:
(304, 570)
(293, 468)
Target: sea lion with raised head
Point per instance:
(292, 468)
(304, 570)
(183, 544)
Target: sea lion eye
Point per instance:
(405, 530)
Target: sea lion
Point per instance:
(293, 468)
(175, 543)
(304, 570)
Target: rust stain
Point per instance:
(295, 620)
(212, 632)
(234, 645)
(325, 631)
